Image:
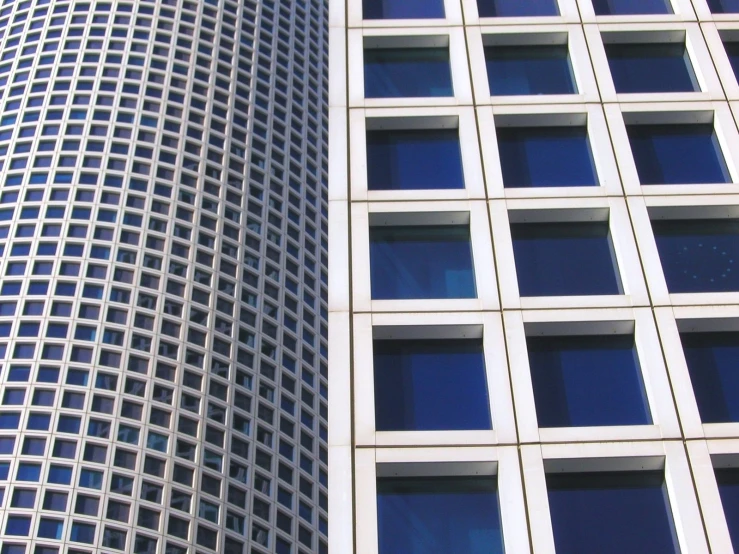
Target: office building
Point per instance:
(163, 168)
(533, 291)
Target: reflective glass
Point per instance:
(723, 6)
(698, 255)
(430, 385)
(713, 363)
(407, 72)
(414, 160)
(421, 262)
(438, 516)
(677, 154)
(651, 67)
(611, 513)
(728, 487)
(403, 9)
(546, 157)
(516, 8)
(565, 259)
(732, 51)
(631, 7)
(526, 69)
(583, 381)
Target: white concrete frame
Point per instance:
(568, 13)
(511, 35)
(613, 210)
(715, 34)
(682, 11)
(461, 118)
(452, 13)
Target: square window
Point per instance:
(403, 9)
(732, 51)
(565, 259)
(677, 154)
(697, 255)
(728, 488)
(407, 72)
(588, 380)
(440, 515)
(631, 7)
(23, 498)
(611, 512)
(546, 157)
(425, 159)
(723, 6)
(651, 67)
(516, 8)
(421, 262)
(55, 501)
(529, 69)
(430, 385)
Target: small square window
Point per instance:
(723, 6)
(651, 67)
(448, 513)
(546, 157)
(631, 7)
(611, 513)
(516, 8)
(23, 498)
(697, 255)
(421, 262)
(529, 69)
(589, 380)
(403, 9)
(407, 72)
(430, 385)
(565, 259)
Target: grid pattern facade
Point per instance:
(594, 180)
(163, 276)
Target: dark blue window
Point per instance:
(516, 8)
(713, 363)
(651, 67)
(565, 259)
(407, 72)
(438, 516)
(728, 487)
(403, 9)
(631, 7)
(583, 381)
(732, 51)
(723, 6)
(421, 262)
(677, 154)
(698, 255)
(522, 69)
(414, 160)
(430, 385)
(611, 513)
(546, 157)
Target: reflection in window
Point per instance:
(651, 67)
(631, 7)
(728, 487)
(407, 72)
(723, 6)
(403, 9)
(529, 69)
(516, 8)
(732, 51)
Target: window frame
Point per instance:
(682, 11)
(452, 12)
(568, 13)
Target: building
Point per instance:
(533, 298)
(163, 298)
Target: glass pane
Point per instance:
(515, 70)
(407, 72)
(631, 7)
(651, 67)
(723, 6)
(516, 8)
(698, 255)
(438, 516)
(611, 513)
(403, 9)
(732, 51)
(414, 160)
(713, 363)
(546, 157)
(421, 262)
(428, 385)
(728, 488)
(564, 259)
(677, 154)
(586, 381)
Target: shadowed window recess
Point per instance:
(651, 67)
(407, 73)
(529, 69)
(631, 7)
(517, 8)
(403, 9)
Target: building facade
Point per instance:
(533, 298)
(163, 301)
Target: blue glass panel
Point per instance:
(723, 6)
(728, 488)
(438, 516)
(585, 381)
(611, 513)
(698, 255)
(403, 9)
(516, 8)
(516, 70)
(732, 51)
(430, 385)
(414, 160)
(651, 67)
(546, 157)
(407, 72)
(677, 154)
(631, 7)
(564, 259)
(421, 262)
(713, 363)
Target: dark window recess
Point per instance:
(403, 9)
(528, 69)
(728, 487)
(407, 72)
(631, 7)
(651, 67)
(516, 8)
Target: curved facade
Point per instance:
(163, 297)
